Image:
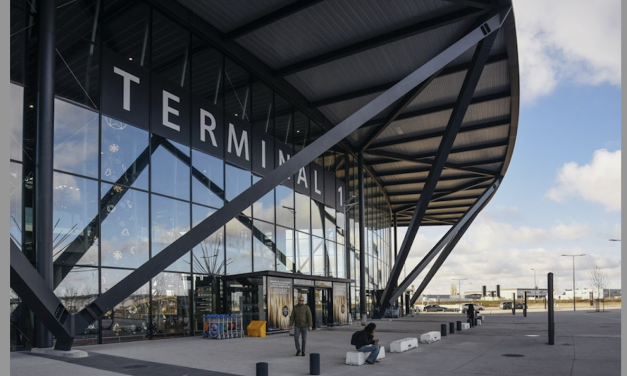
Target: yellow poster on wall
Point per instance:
(280, 303)
(340, 304)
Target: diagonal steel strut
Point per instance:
(465, 96)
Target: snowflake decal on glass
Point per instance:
(117, 255)
(107, 172)
(117, 188)
(110, 208)
(125, 232)
(114, 148)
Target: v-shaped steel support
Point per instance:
(464, 98)
(197, 234)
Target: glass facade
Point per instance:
(126, 187)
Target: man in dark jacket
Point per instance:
(302, 321)
(366, 343)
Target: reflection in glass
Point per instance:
(125, 154)
(329, 223)
(78, 289)
(341, 262)
(318, 255)
(331, 261)
(170, 221)
(124, 227)
(263, 100)
(208, 255)
(16, 112)
(285, 250)
(77, 73)
(128, 30)
(303, 212)
(15, 203)
(237, 90)
(285, 206)
(131, 316)
(237, 181)
(208, 182)
(317, 218)
(206, 72)
(170, 303)
(170, 50)
(75, 130)
(303, 253)
(263, 246)
(75, 214)
(264, 208)
(170, 169)
(238, 246)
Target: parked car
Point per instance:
(508, 305)
(478, 307)
(438, 308)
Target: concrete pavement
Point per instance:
(586, 343)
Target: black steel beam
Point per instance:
(44, 154)
(449, 240)
(383, 87)
(36, 293)
(362, 237)
(438, 133)
(270, 18)
(422, 27)
(463, 101)
(396, 111)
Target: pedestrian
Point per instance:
(365, 342)
(300, 318)
(470, 312)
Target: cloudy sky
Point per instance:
(561, 193)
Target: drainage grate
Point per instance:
(512, 355)
(136, 366)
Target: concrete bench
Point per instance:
(357, 358)
(404, 344)
(465, 326)
(430, 337)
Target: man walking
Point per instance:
(301, 319)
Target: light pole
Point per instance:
(535, 286)
(459, 290)
(573, 256)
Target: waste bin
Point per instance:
(256, 328)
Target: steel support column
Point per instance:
(463, 100)
(362, 238)
(44, 153)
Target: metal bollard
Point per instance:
(314, 364)
(443, 330)
(451, 327)
(262, 369)
(459, 326)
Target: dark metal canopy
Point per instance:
(336, 56)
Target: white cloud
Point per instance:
(567, 40)
(598, 181)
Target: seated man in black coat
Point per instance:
(366, 343)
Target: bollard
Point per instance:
(459, 326)
(443, 330)
(262, 369)
(314, 364)
(451, 327)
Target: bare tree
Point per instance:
(598, 280)
(453, 289)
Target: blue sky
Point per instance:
(561, 193)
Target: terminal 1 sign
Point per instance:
(131, 94)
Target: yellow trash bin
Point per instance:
(256, 328)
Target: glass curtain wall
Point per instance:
(123, 193)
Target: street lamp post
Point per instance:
(573, 256)
(535, 286)
(459, 290)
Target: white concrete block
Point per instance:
(430, 337)
(465, 326)
(478, 322)
(480, 317)
(381, 353)
(355, 358)
(404, 344)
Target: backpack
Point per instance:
(354, 338)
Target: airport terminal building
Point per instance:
(173, 159)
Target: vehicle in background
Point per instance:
(478, 307)
(508, 305)
(438, 308)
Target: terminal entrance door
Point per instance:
(322, 314)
